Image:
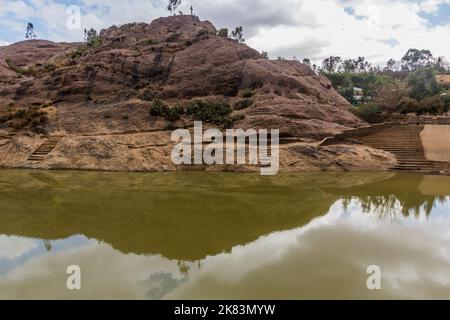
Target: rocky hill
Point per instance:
(72, 89)
(175, 59)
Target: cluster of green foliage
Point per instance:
(211, 112)
(160, 109)
(223, 33)
(204, 32)
(405, 86)
(422, 95)
(238, 34)
(92, 38)
(423, 83)
(217, 112)
(369, 112)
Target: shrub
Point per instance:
(160, 109)
(243, 104)
(408, 105)
(174, 113)
(211, 112)
(423, 84)
(204, 32)
(446, 102)
(223, 33)
(388, 96)
(369, 112)
(432, 105)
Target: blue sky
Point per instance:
(314, 29)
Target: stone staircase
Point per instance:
(44, 149)
(404, 142)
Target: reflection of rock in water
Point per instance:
(161, 283)
(151, 213)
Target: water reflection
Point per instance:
(198, 235)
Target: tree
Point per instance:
(416, 59)
(362, 65)
(237, 34)
(307, 62)
(173, 5)
(389, 96)
(423, 84)
(265, 55)
(350, 65)
(442, 65)
(391, 65)
(331, 64)
(30, 32)
(91, 37)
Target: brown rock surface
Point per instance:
(175, 59)
(108, 89)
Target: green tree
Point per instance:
(349, 65)
(362, 65)
(332, 64)
(391, 65)
(238, 35)
(30, 35)
(416, 59)
(91, 37)
(423, 84)
(173, 5)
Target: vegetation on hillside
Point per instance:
(405, 86)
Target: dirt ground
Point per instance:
(436, 142)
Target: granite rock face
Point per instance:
(175, 59)
(98, 98)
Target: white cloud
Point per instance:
(303, 28)
(14, 247)
(432, 6)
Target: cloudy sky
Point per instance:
(376, 29)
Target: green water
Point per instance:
(225, 236)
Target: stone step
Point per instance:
(44, 149)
